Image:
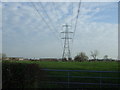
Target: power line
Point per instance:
(34, 7)
(54, 7)
(40, 15)
(72, 27)
(75, 25)
(48, 16)
(77, 19)
(66, 38)
(50, 20)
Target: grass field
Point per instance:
(102, 66)
(32, 69)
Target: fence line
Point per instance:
(81, 70)
(68, 83)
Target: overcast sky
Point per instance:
(25, 34)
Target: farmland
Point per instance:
(103, 66)
(32, 75)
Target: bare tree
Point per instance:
(94, 54)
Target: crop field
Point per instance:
(35, 74)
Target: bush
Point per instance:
(81, 57)
(21, 75)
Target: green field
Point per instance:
(99, 66)
(32, 69)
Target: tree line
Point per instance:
(94, 54)
(79, 57)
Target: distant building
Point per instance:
(14, 58)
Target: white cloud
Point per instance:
(25, 31)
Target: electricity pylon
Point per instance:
(66, 50)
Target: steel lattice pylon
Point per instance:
(66, 50)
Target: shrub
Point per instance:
(81, 57)
(21, 75)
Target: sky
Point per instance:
(26, 34)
